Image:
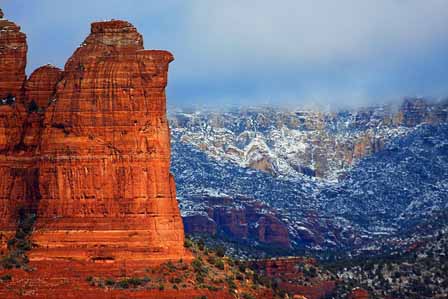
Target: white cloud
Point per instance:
(314, 33)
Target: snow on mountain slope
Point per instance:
(337, 180)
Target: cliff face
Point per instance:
(239, 218)
(87, 150)
(41, 86)
(13, 49)
(14, 171)
(109, 117)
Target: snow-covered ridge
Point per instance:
(296, 143)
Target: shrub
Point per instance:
(6, 277)
(33, 107)
(200, 278)
(231, 283)
(220, 251)
(198, 266)
(110, 282)
(170, 266)
(219, 264)
(23, 245)
(176, 280)
(242, 268)
(213, 288)
(135, 282)
(188, 243)
(123, 284)
(9, 262)
(247, 296)
(201, 244)
(211, 259)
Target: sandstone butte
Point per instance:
(85, 157)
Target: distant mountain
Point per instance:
(293, 143)
(346, 180)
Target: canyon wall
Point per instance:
(86, 150)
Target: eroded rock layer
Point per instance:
(14, 182)
(41, 86)
(13, 49)
(87, 150)
(105, 154)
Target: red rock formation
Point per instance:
(94, 166)
(201, 224)
(14, 183)
(106, 191)
(232, 221)
(41, 85)
(272, 231)
(13, 50)
(251, 220)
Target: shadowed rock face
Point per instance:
(87, 149)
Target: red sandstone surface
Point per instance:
(41, 85)
(253, 220)
(105, 155)
(94, 165)
(87, 150)
(13, 49)
(68, 280)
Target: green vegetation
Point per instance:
(210, 270)
(247, 296)
(6, 277)
(20, 243)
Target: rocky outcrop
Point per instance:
(240, 218)
(232, 221)
(414, 111)
(270, 230)
(40, 88)
(17, 177)
(13, 49)
(109, 117)
(199, 224)
(87, 150)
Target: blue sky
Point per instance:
(290, 52)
